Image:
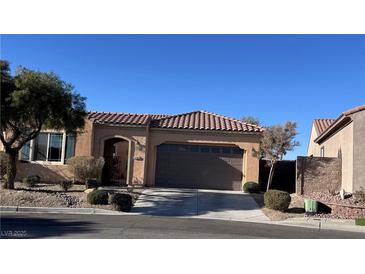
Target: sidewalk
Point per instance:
(321, 223)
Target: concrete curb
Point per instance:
(328, 224)
(16, 209)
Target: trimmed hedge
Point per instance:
(98, 197)
(277, 200)
(121, 202)
(251, 187)
(31, 181)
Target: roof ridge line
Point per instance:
(128, 113)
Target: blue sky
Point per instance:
(273, 77)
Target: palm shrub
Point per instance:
(251, 187)
(277, 200)
(121, 202)
(98, 197)
(87, 167)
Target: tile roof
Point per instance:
(196, 120)
(354, 110)
(203, 120)
(322, 124)
(344, 118)
(121, 118)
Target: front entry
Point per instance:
(115, 170)
(199, 166)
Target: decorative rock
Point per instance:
(87, 191)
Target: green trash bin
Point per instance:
(310, 206)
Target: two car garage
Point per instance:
(199, 166)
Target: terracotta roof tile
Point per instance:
(197, 120)
(354, 110)
(322, 124)
(203, 120)
(121, 118)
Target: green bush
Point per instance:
(86, 167)
(4, 164)
(66, 185)
(31, 181)
(91, 183)
(251, 187)
(277, 200)
(121, 201)
(98, 197)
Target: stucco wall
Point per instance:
(342, 142)
(48, 173)
(244, 141)
(359, 150)
(136, 136)
(84, 140)
(313, 148)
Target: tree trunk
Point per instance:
(11, 169)
(271, 176)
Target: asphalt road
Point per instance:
(153, 227)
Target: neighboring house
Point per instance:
(343, 137)
(191, 150)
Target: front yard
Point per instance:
(296, 208)
(51, 195)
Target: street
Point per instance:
(152, 227)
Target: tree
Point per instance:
(30, 101)
(276, 141)
(251, 120)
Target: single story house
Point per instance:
(190, 150)
(343, 137)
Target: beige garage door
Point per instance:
(199, 166)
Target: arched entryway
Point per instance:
(116, 168)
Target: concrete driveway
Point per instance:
(212, 204)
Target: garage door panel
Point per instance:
(193, 166)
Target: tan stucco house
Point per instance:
(342, 137)
(191, 150)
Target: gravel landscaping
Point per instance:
(349, 208)
(51, 195)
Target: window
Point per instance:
(41, 143)
(215, 150)
(204, 149)
(55, 147)
(25, 152)
(236, 151)
(226, 150)
(322, 151)
(52, 147)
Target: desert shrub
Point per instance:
(121, 201)
(31, 181)
(98, 197)
(251, 187)
(277, 200)
(86, 167)
(66, 185)
(4, 164)
(91, 183)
